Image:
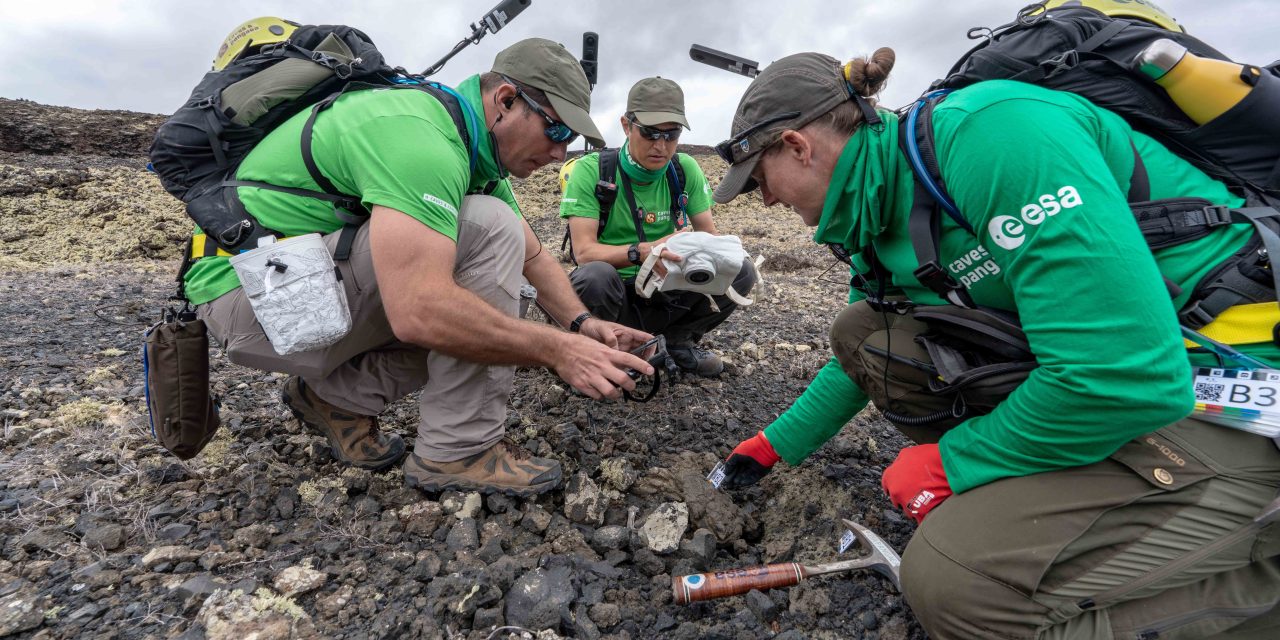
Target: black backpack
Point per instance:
(1083, 51)
(1086, 52)
(197, 150)
(607, 195)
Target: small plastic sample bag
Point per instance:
(295, 292)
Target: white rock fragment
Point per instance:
(298, 579)
(664, 528)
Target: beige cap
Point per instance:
(788, 94)
(655, 101)
(546, 65)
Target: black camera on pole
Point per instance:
(590, 54)
(726, 61)
(491, 22)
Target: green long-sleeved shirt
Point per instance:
(1042, 177)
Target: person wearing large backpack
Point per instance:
(1086, 501)
(433, 278)
(621, 203)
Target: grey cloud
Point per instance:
(155, 51)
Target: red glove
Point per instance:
(750, 461)
(916, 481)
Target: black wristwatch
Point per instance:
(576, 325)
(633, 253)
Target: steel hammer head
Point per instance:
(882, 558)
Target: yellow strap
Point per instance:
(198, 245)
(199, 240)
(1243, 324)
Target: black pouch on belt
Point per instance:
(981, 355)
(175, 362)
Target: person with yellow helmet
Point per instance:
(249, 38)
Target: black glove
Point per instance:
(750, 461)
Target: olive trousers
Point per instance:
(1155, 541)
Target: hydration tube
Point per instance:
(1223, 351)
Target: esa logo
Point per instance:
(1008, 231)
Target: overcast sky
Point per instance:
(146, 55)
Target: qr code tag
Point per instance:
(846, 540)
(1209, 392)
(717, 475)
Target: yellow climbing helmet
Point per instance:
(1139, 9)
(249, 37)
(565, 171)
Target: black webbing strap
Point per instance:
(347, 209)
(1168, 223)
(606, 188)
(924, 221)
(215, 136)
(1102, 36)
(1070, 58)
(637, 215)
(346, 238)
(304, 193)
(679, 200)
(606, 194)
(923, 226)
(1234, 285)
(869, 115)
(1139, 183)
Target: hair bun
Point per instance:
(868, 75)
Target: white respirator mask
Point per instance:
(709, 264)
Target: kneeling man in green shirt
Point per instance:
(433, 280)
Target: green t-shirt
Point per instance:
(392, 147)
(1057, 244)
(654, 198)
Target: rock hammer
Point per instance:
(730, 582)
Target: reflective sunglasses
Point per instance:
(655, 134)
(725, 149)
(556, 130)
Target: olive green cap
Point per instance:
(656, 101)
(546, 65)
(802, 87)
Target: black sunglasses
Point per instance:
(655, 134)
(725, 149)
(556, 130)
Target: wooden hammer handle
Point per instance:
(730, 582)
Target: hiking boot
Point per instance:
(695, 360)
(503, 468)
(353, 439)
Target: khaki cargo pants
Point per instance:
(1136, 546)
(463, 405)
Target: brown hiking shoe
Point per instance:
(353, 439)
(503, 468)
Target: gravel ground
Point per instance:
(106, 535)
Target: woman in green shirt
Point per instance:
(1081, 506)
